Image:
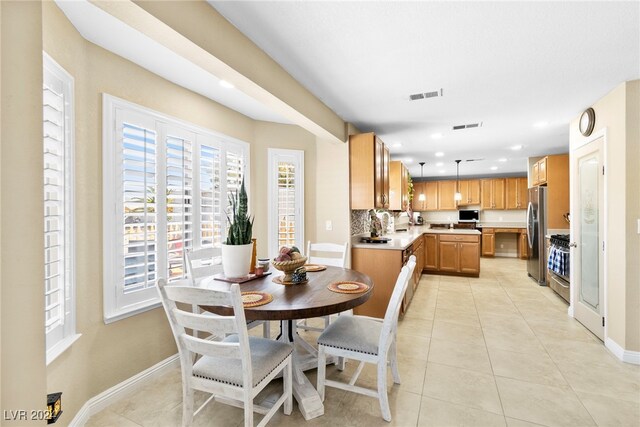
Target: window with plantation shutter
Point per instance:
(286, 198)
(165, 186)
(59, 285)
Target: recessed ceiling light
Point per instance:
(541, 125)
(408, 160)
(442, 171)
(226, 84)
(439, 164)
(439, 154)
(494, 168)
(516, 147)
(397, 145)
(502, 160)
(436, 136)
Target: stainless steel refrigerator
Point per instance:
(536, 230)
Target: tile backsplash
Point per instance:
(359, 222)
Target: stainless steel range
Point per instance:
(558, 264)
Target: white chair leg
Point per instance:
(248, 410)
(394, 362)
(327, 320)
(187, 405)
(340, 363)
(288, 388)
(266, 329)
(382, 390)
(322, 371)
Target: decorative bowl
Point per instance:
(289, 267)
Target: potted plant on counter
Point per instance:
(236, 250)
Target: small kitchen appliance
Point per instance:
(468, 215)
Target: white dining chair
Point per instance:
(368, 340)
(338, 259)
(206, 262)
(235, 369)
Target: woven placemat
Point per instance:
(348, 287)
(255, 299)
(314, 267)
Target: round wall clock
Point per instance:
(587, 121)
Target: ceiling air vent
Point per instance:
(468, 126)
(425, 95)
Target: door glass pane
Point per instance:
(589, 238)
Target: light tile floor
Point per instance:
(494, 351)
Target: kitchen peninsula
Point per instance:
(449, 251)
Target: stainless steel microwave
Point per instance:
(468, 215)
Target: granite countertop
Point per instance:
(403, 239)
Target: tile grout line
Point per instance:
(424, 376)
(493, 374)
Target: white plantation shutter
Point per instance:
(166, 181)
(59, 286)
(139, 207)
(211, 217)
(286, 198)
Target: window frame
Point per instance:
(117, 305)
(69, 334)
(274, 155)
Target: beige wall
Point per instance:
(22, 368)
(105, 355)
(617, 113)
(274, 135)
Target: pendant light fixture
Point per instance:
(422, 197)
(458, 196)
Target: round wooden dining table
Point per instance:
(303, 301)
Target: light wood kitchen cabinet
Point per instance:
(383, 267)
(553, 172)
(448, 252)
(488, 242)
(398, 186)
(418, 251)
(459, 254)
(523, 245)
(446, 192)
(492, 196)
(431, 252)
(430, 190)
(517, 193)
(470, 190)
(368, 172)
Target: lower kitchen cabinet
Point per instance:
(431, 252)
(383, 267)
(459, 253)
(523, 245)
(488, 242)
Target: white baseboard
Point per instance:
(118, 391)
(627, 356)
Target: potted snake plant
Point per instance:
(236, 250)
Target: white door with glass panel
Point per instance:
(587, 235)
(286, 199)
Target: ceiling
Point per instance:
(108, 32)
(521, 69)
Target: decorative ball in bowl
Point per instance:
(289, 267)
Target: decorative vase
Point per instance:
(236, 260)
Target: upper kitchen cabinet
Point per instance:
(368, 171)
(553, 173)
(430, 191)
(398, 186)
(446, 192)
(470, 190)
(492, 196)
(517, 193)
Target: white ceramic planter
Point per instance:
(236, 260)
